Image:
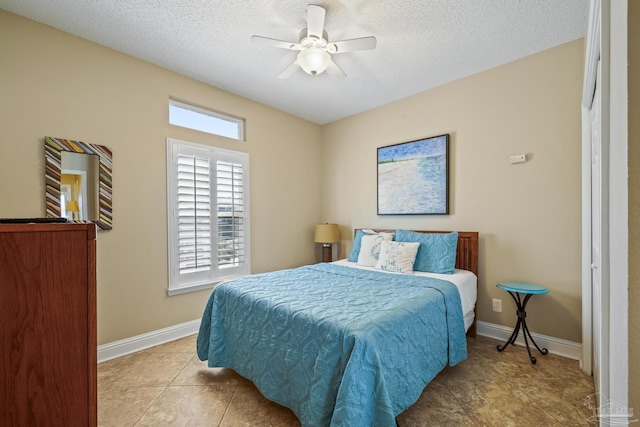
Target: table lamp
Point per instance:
(72, 206)
(327, 234)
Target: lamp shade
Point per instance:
(72, 206)
(313, 60)
(327, 233)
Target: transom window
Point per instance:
(204, 120)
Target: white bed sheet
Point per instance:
(464, 280)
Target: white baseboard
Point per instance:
(150, 339)
(570, 349)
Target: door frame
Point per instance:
(619, 204)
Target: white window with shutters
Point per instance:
(208, 215)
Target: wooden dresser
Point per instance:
(48, 371)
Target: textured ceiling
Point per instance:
(421, 43)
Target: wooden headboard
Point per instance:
(466, 255)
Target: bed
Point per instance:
(338, 345)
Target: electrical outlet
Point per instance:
(497, 305)
(518, 158)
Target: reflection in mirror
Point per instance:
(78, 181)
(78, 184)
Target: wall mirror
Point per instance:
(78, 181)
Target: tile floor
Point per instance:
(168, 386)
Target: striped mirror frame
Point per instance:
(53, 148)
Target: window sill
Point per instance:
(200, 286)
(191, 288)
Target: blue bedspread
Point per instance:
(339, 346)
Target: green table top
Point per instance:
(523, 287)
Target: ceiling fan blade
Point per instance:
(335, 71)
(315, 20)
(363, 43)
(276, 43)
(288, 72)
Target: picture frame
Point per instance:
(413, 177)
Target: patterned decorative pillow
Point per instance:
(357, 241)
(397, 256)
(370, 248)
(437, 253)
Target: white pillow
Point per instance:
(370, 248)
(397, 256)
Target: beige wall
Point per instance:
(58, 85)
(528, 215)
(634, 205)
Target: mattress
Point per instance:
(464, 280)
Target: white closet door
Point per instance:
(600, 307)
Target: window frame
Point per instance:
(177, 283)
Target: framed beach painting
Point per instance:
(413, 177)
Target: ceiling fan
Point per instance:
(315, 50)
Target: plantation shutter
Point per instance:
(231, 212)
(208, 215)
(194, 213)
(232, 226)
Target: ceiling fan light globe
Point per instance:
(313, 60)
